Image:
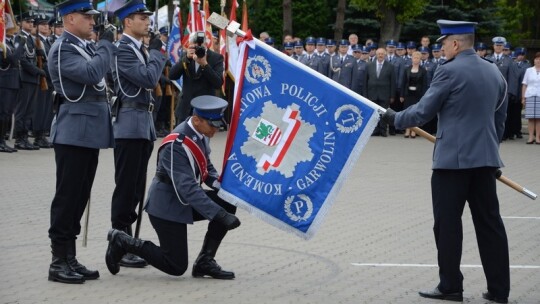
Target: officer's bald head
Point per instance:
(455, 44)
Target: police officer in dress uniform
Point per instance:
(343, 66)
(43, 103)
(465, 160)
(288, 48)
(400, 51)
(522, 65)
(436, 61)
(310, 58)
(176, 199)
(57, 29)
(9, 83)
(360, 54)
(136, 71)
(81, 127)
(399, 71)
(508, 69)
(323, 55)
(30, 74)
(331, 49)
(270, 41)
(481, 49)
(426, 63)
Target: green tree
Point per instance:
(309, 17)
(392, 14)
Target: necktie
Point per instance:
(379, 67)
(90, 49)
(144, 52)
(498, 58)
(342, 59)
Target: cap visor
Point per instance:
(217, 123)
(91, 12)
(441, 38)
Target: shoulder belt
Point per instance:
(193, 149)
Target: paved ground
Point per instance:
(382, 215)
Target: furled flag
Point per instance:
(223, 52)
(7, 23)
(294, 137)
(232, 47)
(174, 45)
(207, 26)
(194, 21)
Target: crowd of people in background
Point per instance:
(392, 74)
(397, 74)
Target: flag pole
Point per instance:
(505, 180)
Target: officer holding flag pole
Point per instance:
(468, 94)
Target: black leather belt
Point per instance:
(137, 105)
(163, 177)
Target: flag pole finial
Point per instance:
(232, 27)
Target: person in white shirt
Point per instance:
(531, 99)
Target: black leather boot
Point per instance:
(22, 142)
(78, 267)
(120, 243)
(41, 141)
(205, 265)
(60, 270)
(3, 145)
(129, 259)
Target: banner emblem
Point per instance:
(299, 209)
(258, 68)
(272, 153)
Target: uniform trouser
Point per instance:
(397, 106)
(513, 119)
(75, 172)
(163, 115)
(42, 111)
(450, 190)
(8, 102)
(25, 106)
(130, 163)
(382, 126)
(157, 105)
(171, 256)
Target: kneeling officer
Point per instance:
(176, 199)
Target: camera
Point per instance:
(200, 50)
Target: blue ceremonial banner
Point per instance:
(294, 137)
(174, 45)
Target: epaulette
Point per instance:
(447, 61)
(487, 59)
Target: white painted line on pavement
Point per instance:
(522, 217)
(435, 265)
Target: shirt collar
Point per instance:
(190, 124)
(137, 43)
(82, 41)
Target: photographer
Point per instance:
(202, 70)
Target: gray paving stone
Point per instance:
(382, 215)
